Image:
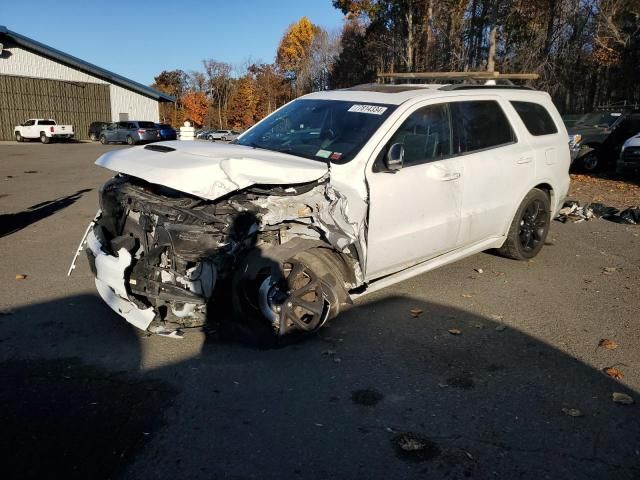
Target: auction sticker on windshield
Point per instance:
(371, 109)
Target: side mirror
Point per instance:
(394, 158)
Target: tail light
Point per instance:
(141, 131)
(51, 129)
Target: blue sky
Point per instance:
(138, 39)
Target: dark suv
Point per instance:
(130, 132)
(596, 139)
(95, 128)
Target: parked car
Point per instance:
(596, 140)
(95, 128)
(167, 132)
(203, 133)
(231, 136)
(333, 196)
(629, 160)
(130, 132)
(44, 129)
(217, 134)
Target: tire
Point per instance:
(19, 138)
(130, 140)
(93, 137)
(591, 162)
(529, 228)
(103, 140)
(274, 304)
(44, 138)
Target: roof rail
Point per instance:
(462, 80)
(466, 86)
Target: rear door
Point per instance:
(497, 166)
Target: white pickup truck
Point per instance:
(44, 129)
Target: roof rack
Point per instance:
(469, 79)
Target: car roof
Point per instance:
(398, 94)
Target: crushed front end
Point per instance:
(160, 256)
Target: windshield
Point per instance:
(599, 119)
(319, 129)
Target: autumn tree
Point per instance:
(242, 104)
(195, 107)
(171, 82)
(219, 87)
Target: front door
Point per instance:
(414, 214)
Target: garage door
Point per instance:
(69, 103)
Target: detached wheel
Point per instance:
(19, 137)
(274, 304)
(590, 162)
(130, 141)
(103, 140)
(44, 138)
(529, 228)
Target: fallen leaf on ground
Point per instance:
(609, 270)
(455, 331)
(622, 398)
(415, 312)
(479, 270)
(608, 344)
(613, 372)
(467, 295)
(572, 412)
(21, 276)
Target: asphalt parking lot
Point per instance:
(496, 373)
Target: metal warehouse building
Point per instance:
(37, 81)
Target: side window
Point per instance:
(29, 123)
(425, 135)
(479, 125)
(536, 118)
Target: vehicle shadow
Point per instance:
(14, 222)
(394, 388)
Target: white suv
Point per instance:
(334, 195)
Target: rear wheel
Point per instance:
(93, 137)
(275, 303)
(130, 140)
(103, 140)
(44, 138)
(529, 228)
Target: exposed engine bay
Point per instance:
(184, 249)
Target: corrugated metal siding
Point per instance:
(18, 61)
(69, 103)
(137, 106)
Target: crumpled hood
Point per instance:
(211, 170)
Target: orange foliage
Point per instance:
(195, 107)
(295, 45)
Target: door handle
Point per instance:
(450, 176)
(522, 160)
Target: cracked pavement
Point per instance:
(379, 393)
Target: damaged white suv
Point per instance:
(334, 195)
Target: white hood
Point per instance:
(211, 170)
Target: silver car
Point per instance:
(217, 134)
(130, 132)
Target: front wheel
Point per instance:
(274, 303)
(529, 228)
(19, 137)
(44, 138)
(591, 162)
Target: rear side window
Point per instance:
(536, 118)
(479, 125)
(46, 122)
(146, 125)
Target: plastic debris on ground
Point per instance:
(572, 211)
